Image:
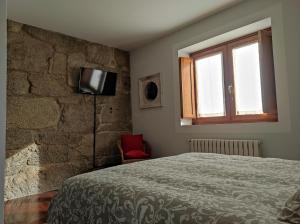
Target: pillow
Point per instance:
(291, 211)
(136, 154)
(132, 142)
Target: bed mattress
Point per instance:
(188, 188)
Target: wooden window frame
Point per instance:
(228, 80)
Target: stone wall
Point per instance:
(50, 125)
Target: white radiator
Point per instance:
(226, 146)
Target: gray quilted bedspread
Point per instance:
(188, 188)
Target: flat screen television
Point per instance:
(97, 82)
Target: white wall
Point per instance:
(161, 126)
(2, 99)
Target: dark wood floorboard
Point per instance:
(28, 210)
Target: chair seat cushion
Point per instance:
(136, 154)
(132, 142)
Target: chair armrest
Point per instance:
(120, 149)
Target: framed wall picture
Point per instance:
(150, 91)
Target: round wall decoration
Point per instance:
(150, 91)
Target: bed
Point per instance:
(188, 188)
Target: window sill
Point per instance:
(236, 119)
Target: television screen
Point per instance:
(97, 82)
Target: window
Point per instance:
(231, 82)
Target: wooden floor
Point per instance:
(28, 210)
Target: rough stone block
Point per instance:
(57, 138)
(15, 48)
(59, 65)
(51, 37)
(32, 113)
(62, 43)
(36, 179)
(84, 150)
(30, 55)
(49, 178)
(76, 60)
(74, 99)
(122, 60)
(24, 183)
(15, 39)
(87, 140)
(16, 160)
(49, 85)
(17, 83)
(115, 113)
(116, 110)
(18, 138)
(77, 118)
(70, 45)
(123, 84)
(13, 26)
(82, 165)
(106, 142)
(115, 126)
(49, 154)
(100, 54)
(82, 156)
(73, 76)
(108, 160)
(89, 99)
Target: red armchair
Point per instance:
(133, 148)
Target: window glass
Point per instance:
(210, 92)
(248, 99)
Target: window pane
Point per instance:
(248, 98)
(210, 93)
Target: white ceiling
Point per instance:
(125, 24)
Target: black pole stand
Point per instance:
(94, 143)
